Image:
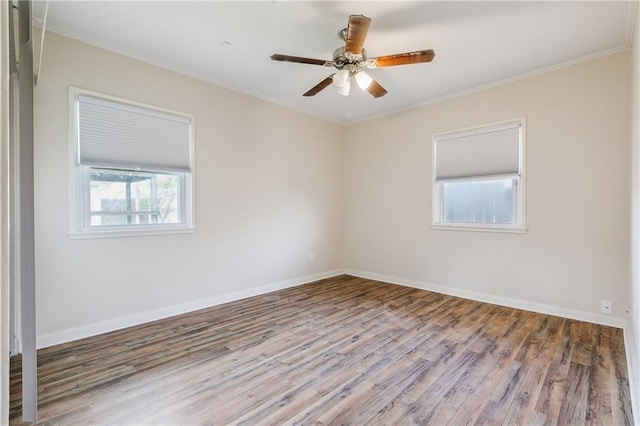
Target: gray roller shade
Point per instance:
(116, 134)
(489, 151)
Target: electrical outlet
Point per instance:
(312, 257)
(606, 306)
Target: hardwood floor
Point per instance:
(340, 351)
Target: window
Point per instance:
(478, 178)
(132, 167)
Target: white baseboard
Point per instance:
(496, 300)
(76, 333)
(631, 372)
(63, 336)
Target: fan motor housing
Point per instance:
(343, 59)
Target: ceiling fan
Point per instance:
(351, 60)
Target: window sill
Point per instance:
(475, 228)
(119, 233)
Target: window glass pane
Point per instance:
(120, 197)
(481, 201)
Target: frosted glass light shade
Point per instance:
(363, 79)
(341, 78)
(345, 89)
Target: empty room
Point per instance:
(317, 212)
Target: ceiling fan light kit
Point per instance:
(341, 78)
(344, 89)
(352, 58)
(363, 79)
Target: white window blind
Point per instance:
(116, 134)
(493, 151)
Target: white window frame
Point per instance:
(519, 199)
(79, 217)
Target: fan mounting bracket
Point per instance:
(342, 34)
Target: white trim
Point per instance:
(70, 334)
(14, 224)
(631, 373)
(5, 180)
(496, 300)
(631, 28)
(479, 228)
(44, 28)
(119, 233)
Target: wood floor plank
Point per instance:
(552, 393)
(574, 406)
(344, 350)
(502, 352)
(599, 396)
(620, 394)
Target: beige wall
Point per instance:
(576, 250)
(268, 191)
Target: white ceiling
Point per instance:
(476, 43)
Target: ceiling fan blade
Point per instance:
(318, 87)
(299, 60)
(376, 89)
(405, 58)
(356, 33)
